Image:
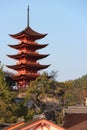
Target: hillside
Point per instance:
(78, 88)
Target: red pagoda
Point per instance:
(27, 66)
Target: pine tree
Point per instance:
(7, 105)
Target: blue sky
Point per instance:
(65, 21)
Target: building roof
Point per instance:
(28, 45)
(73, 119)
(28, 33)
(38, 124)
(25, 77)
(11, 127)
(74, 115)
(30, 66)
(79, 126)
(29, 55)
(75, 109)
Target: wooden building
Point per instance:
(74, 116)
(27, 66)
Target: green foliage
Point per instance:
(67, 93)
(9, 110)
(8, 78)
(40, 89)
(30, 114)
(5, 99)
(75, 91)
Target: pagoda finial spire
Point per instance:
(28, 16)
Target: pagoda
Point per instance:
(27, 66)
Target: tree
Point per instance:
(6, 104)
(9, 80)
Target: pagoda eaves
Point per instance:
(29, 66)
(34, 46)
(28, 33)
(28, 56)
(25, 77)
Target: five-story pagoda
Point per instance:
(27, 66)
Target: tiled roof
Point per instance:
(79, 126)
(35, 124)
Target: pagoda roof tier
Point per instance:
(25, 77)
(28, 33)
(30, 55)
(28, 45)
(29, 66)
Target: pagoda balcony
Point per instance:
(28, 41)
(26, 61)
(25, 71)
(29, 74)
(27, 51)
